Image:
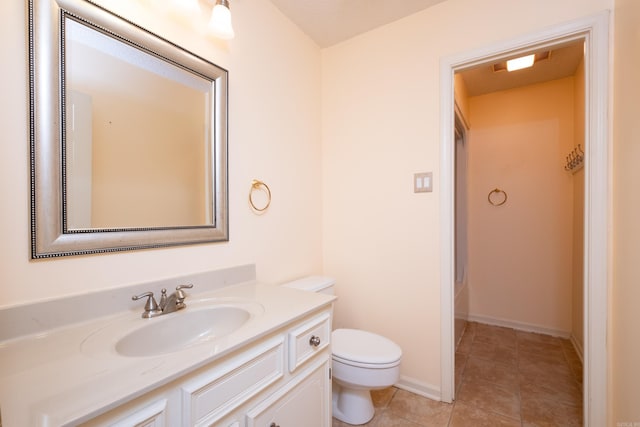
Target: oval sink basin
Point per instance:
(181, 329)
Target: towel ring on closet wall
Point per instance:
(259, 185)
(501, 194)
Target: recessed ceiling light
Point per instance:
(520, 63)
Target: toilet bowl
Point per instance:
(361, 361)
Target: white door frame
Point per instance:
(595, 32)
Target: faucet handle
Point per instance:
(179, 289)
(180, 295)
(151, 308)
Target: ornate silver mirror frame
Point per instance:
(50, 236)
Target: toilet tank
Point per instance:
(320, 284)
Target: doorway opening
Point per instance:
(523, 208)
(593, 32)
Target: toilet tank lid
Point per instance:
(311, 283)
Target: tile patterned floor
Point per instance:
(504, 377)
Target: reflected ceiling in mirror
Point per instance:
(133, 154)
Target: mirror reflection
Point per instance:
(136, 137)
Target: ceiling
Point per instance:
(329, 22)
(563, 62)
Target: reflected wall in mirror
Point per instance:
(136, 136)
(129, 138)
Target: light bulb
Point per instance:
(220, 23)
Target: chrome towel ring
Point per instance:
(497, 197)
(259, 185)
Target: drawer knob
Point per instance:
(314, 341)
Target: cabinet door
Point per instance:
(304, 401)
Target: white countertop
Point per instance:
(53, 379)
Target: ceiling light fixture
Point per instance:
(520, 63)
(220, 23)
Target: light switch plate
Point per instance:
(423, 182)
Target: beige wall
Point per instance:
(381, 98)
(520, 263)
(624, 329)
(274, 135)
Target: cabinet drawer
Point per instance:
(141, 412)
(151, 416)
(308, 339)
(215, 393)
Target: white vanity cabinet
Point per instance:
(282, 380)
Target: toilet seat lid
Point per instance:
(364, 347)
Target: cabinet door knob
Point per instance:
(314, 341)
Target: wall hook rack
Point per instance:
(575, 160)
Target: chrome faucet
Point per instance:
(168, 304)
(175, 301)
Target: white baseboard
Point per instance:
(577, 347)
(412, 385)
(521, 326)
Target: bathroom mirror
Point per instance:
(128, 136)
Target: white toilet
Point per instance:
(361, 361)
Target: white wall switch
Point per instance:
(423, 182)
